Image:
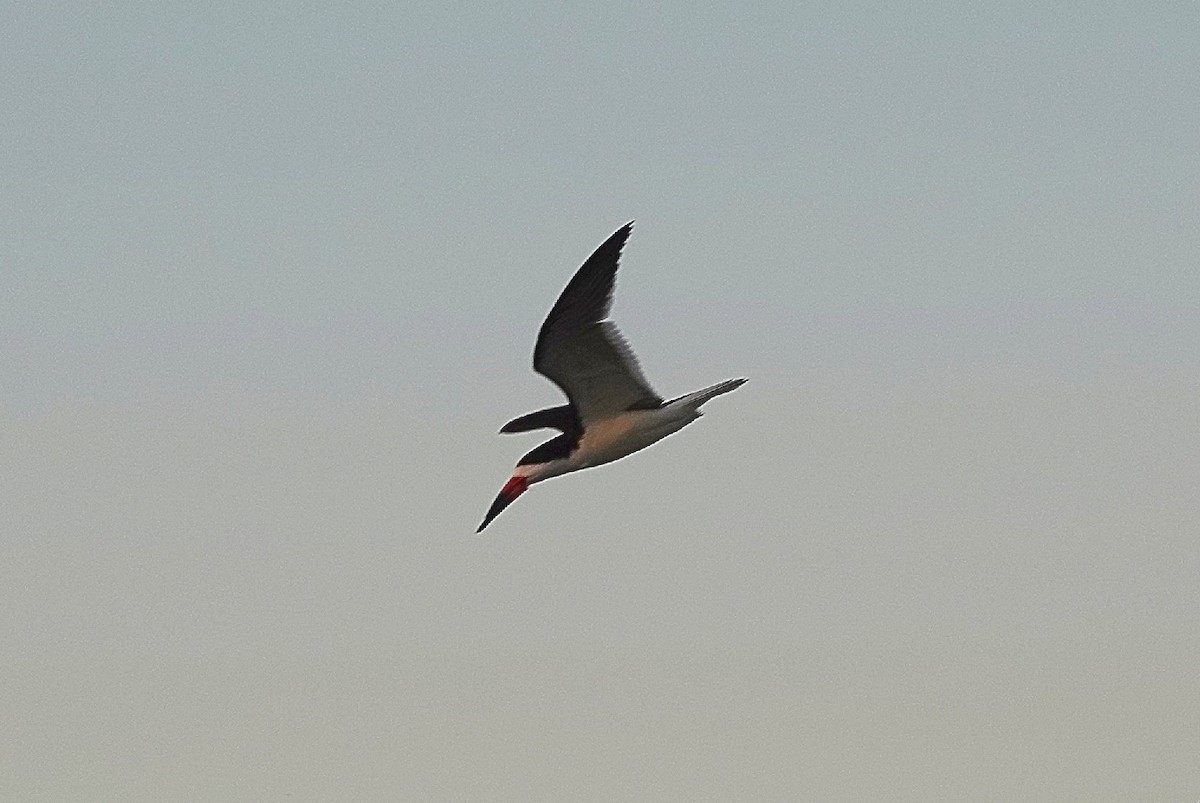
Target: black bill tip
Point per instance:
(508, 494)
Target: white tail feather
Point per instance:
(699, 397)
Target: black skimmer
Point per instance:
(612, 411)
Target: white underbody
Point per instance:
(627, 432)
(624, 434)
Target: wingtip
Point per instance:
(622, 235)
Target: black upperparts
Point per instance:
(554, 449)
(563, 418)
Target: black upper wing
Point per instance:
(582, 352)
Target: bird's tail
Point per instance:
(699, 397)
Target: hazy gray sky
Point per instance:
(270, 283)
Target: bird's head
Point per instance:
(546, 461)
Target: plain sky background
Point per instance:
(270, 277)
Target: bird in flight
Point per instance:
(611, 410)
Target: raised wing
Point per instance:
(582, 352)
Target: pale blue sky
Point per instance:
(270, 283)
